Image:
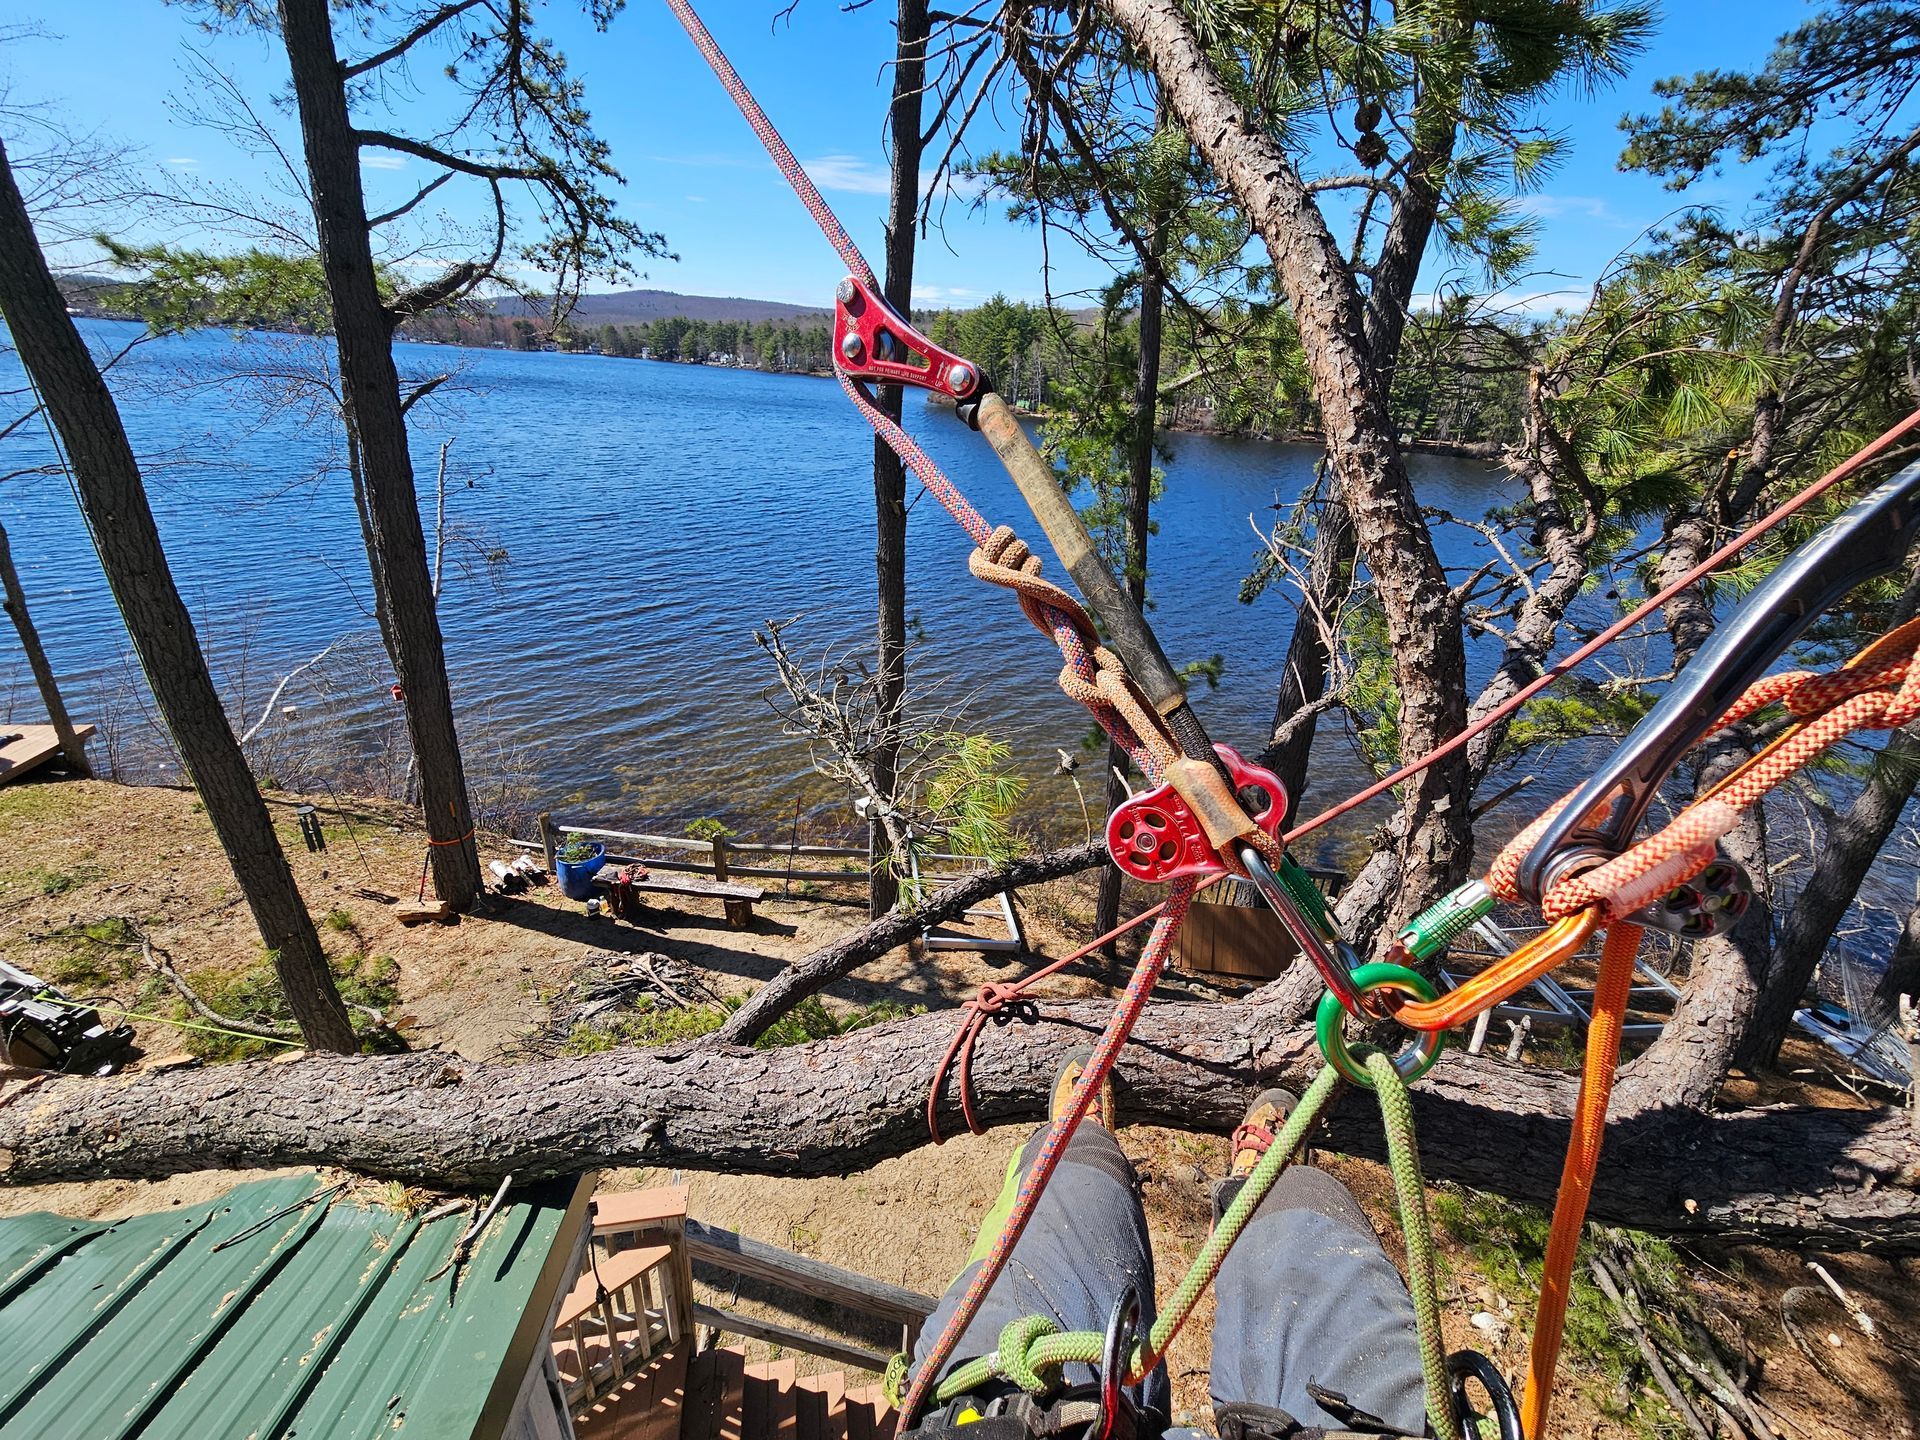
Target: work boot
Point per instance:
(1067, 1078)
(1255, 1133)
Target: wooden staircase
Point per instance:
(624, 1344)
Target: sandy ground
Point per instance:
(81, 852)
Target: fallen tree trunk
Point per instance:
(1832, 1178)
(890, 932)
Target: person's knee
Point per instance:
(1302, 1187)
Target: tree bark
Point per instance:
(1303, 678)
(106, 477)
(1422, 628)
(889, 475)
(1145, 419)
(1839, 1178)
(71, 744)
(397, 552)
(1848, 849)
(889, 932)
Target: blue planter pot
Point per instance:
(576, 876)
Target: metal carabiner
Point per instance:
(1116, 1411)
(1870, 539)
(1328, 954)
(1465, 1365)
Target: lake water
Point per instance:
(654, 515)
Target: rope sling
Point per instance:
(1878, 689)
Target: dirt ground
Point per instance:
(81, 853)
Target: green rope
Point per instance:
(177, 1024)
(1048, 1350)
(1031, 1345)
(1410, 1188)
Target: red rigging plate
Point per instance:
(1155, 837)
(872, 342)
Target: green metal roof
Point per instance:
(328, 1323)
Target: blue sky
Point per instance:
(696, 173)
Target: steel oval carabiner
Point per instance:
(1871, 538)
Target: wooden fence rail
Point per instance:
(737, 1254)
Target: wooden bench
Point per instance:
(737, 900)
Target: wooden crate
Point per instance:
(1244, 939)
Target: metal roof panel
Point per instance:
(339, 1319)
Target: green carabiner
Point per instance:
(1330, 1029)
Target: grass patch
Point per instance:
(93, 956)
(51, 883)
(1508, 1243)
(648, 1025)
(254, 995)
(339, 921)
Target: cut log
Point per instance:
(1836, 1178)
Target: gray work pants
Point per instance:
(1306, 1297)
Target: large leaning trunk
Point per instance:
(106, 478)
(376, 422)
(1831, 1177)
(1423, 630)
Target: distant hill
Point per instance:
(642, 307)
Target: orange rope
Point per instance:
(1576, 1176)
(1853, 463)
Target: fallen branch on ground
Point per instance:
(890, 932)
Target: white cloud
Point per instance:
(1569, 207)
(384, 162)
(852, 175)
(848, 174)
(950, 294)
(696, 199)
(1511, 303)
(180, 162)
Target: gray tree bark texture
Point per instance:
(397, 549)
(106, 477)
(889, 932)
(1839, 1178)
(1146, 418)
(1303, 678)
(889, 475)
(71, 745)
(1423, 629)
(1852, 839)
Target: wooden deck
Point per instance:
(717, 1395)
(36, 745)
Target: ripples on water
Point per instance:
(654, 514)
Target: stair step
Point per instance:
(647, 1405)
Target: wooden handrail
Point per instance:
(732, 1322)
(739, 1255)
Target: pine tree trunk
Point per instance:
(889, 475)
(397, 553)
(1144, 420)
(107, 479)
(71, 745)
(1783, 1174)
(1303, 675)
(1847, 851)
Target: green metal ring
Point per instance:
(1329, 1026)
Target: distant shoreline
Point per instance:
(1482, 450)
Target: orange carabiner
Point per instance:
(1551, 947)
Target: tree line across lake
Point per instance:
(1038, 356)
